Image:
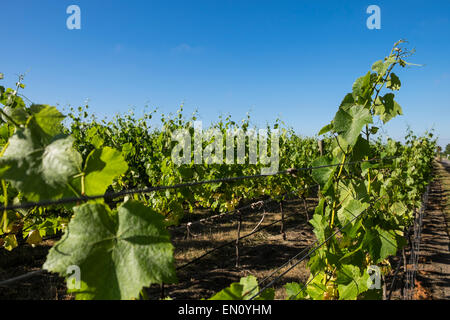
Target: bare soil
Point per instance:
(433, 273)
(259, 255)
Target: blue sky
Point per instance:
(290, 59)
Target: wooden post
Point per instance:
(162, 291)
(237, 238)
(306, 208)
(320, 143)
(282, 221)
(188, 232)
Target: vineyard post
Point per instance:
(238, 236)
(282, 220)
(186, 237)
(320, 143)
(305, 205)
(405, 272)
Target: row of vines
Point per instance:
(123, 246)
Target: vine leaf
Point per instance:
(11, 99)
(319, 222)
(380, 243)
(362, 87)
(295, 291)
(381, 67)
(316, 288)
(19, 115)
(350, 123)
(47, 118)
(102, 167)
(233, 292)
(244, 290)
(387, 108)
(323, 175)
(10, 242)
(326, 129)
(38, 170)
(350, 209)
(118, 253)
(351, 283)
(393, 82)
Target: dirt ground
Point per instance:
(433, 273)
(434, 263)
(260, 254)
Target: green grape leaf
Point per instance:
(393, 82)
(323, 175)
(19, 115)
(294, 291)
(38, 170)
(128, 149)
(94, 137)
(387, 108)
(10, 242)
(347, 102)
(326, 129)
(48, 119)
(362, 88)
(267, 294)
(388, 244)
(118, 254)
(102, 167)
(10, 99)
(249, 286)
(350, 282)
(380, 67)
(350, 123)
(316, 288)
(398, 208)
(361, 149)
(233, 292)
(380, 243)
(244, 290)
(350, 209)
(320, 224)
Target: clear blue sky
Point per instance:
(292, 59)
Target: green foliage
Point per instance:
(118, 252)
(371, 204)
(102, 167)
(39, 171)
(244, 290)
